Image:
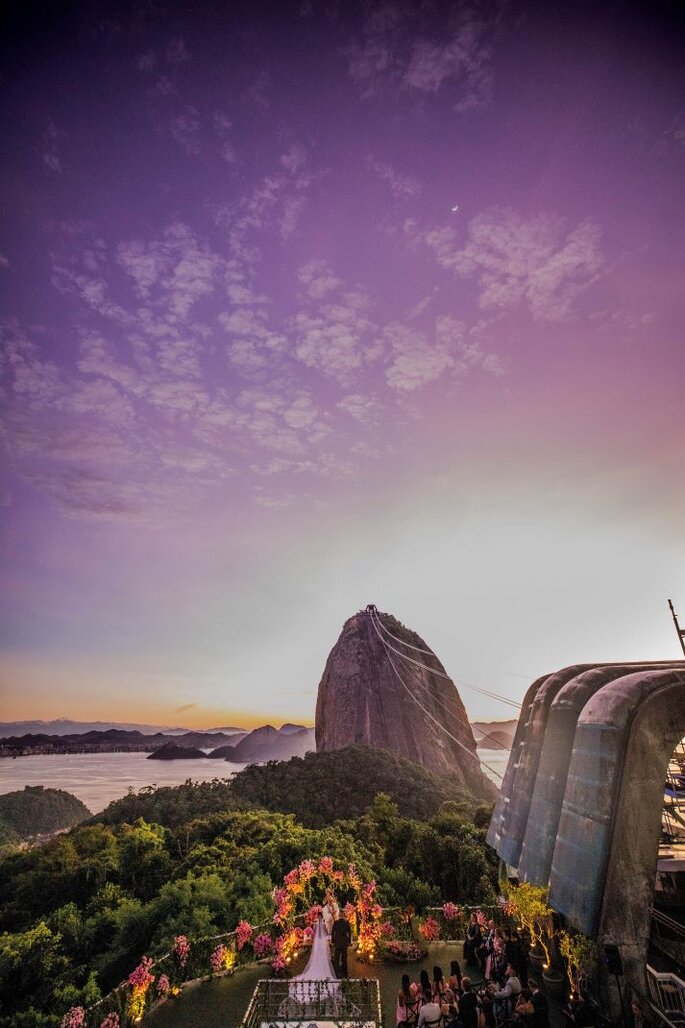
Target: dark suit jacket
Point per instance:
(341, 933)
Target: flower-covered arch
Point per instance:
(304, 887)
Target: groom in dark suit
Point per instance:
(341, 936)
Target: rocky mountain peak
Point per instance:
(372, 693)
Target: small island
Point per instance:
(172, 751)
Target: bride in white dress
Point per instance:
(330, 911)
(319, 967)
(315, 992)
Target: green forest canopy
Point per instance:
(78, 912)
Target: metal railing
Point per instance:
(351, 1003)
(663, 921)
(667, 992)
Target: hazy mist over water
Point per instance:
(98, 778)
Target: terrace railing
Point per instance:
(667, 992)
(352, 1003)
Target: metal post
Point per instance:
(680, 631)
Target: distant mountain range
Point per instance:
(23, 738)
(65, 726)
(494, 735)
(236, 745)
(258, 746)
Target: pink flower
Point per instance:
(312, 915)
(262, 944)
(111, 1021)
(338, 876)
(480, 918)
(141, 977)
(325, 865)
(307, 869)
(291, 878)
(387, 930)
(163, 985)
(243, 933)
(217, 959)
(76, 1018)
(181, 950)
(308, 934)
(278, 964)
(450, 911)
(430, 929)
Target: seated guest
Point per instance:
(425, 982)
(523, 1010)
(486, 1003)
(468, 1005)
(454, 981)
(539, 1006)
(506, 997)
(439, 986)
(578, 1012)
(430, 1015)
(407, 1012)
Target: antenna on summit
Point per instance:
(680, 631)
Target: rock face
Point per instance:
(361, 699)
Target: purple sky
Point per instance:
(308, 306)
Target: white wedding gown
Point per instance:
(315, 997)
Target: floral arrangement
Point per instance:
(76, 1018)
(140, 980)
(262, 945)
(222, 959)
(481, 919)
(408, 951)
(111, 1021)
(141, 977)
(181, 950)
(387, 930)
(309, 880)
(243, 933)
(350, 914)
(163, 985)
(429, 929)
(450, 911)
(312, 915)
(509, 908)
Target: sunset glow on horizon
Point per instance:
(316, 306)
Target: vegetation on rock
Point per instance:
(38, 811)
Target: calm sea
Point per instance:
(98, 778)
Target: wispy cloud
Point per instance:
(400, 46)
(532, 261)
(401, 186)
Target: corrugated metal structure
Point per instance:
(581, 801)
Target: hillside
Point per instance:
(322, 787)
(494, 734)
(38, 811)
